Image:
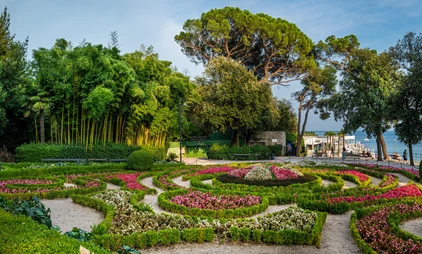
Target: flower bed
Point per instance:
(130, 180)
(239, 173)
(206, 204)
(197, 199)
(411, 173)
(409, 190)
(214, 170)
(282, 174)
(144, 229)
(362, 177)
(376, 229)
(390, 180)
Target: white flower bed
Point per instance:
(128, 220)
(259, 173)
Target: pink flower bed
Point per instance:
(130, 180)
(89, 184)
(25, 181)
(282, 174)
(197, 199)
(374, 230)
(362, 177)
(240, 173)
(213, 170)
(409, 190)
(163, 179)
(411, 171)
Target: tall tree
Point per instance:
(367, 81)
(406, 100)
(232, 97)
(319, 84)
(14, 128)
(273, 49)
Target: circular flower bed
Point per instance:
(197, 199)
(261, 175)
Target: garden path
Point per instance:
(326, 182)
(403, 180)
(66, 214)
(348, 185)
(208, 182)
(179, 181)
(375, 181)
(413, 226)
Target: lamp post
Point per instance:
(180, 127)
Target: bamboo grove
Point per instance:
(90, 94)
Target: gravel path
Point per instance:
(66, 214)
(403, 180)
(179, 181)
(348, 185)
(413, 226)
(208, 181)
(326, 182)
(375, 181)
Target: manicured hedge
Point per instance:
(164, 203)
(226, 153)
(35, 152)
(20, 234)
(27, 172)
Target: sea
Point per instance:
(391, 140)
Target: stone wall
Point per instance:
(269, 138)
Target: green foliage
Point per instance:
(140, 160)
(223, 152)
(35, 152)
(79, 234)
(233, 99)
(276, 149)
(22, 235)
(219, 152)
(406, 98)
(222, 32)
(32, 208)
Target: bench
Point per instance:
(77, 160)
(241, 155)
(352, 156)
(248, 156)
(61, 160)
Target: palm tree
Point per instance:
(341, 133)
(38, 103)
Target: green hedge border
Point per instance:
(165, 204)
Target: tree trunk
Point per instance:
(299, 138)
(235, 138)
(344, 141)
(412, 163)
(338, 146)
(42, 126)
(379, 154)
(384, 147)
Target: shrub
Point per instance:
(219, 152)
(140, 160)
(35, 152)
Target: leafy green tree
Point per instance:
(319, 84)
(367, 82)
(288, 118)
(232, 98)
(273, 49)
(406, 100)
(14, 128)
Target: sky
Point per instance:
(378, 24)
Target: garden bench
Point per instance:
(60, 160)
(241, 155)
(117, 160)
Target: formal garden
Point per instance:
(261, 204)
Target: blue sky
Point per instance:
(377, 24)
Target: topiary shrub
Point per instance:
(140, 160)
